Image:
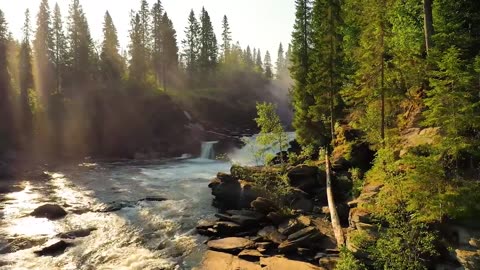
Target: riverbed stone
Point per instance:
(49, 211)
(76, 233)
(55, 249)
(230, 244)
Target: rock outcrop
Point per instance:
(49, 211)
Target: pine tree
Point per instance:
(59, 49)
(248, 58)
(170, 51)
(26, 81)
(80, 46)
(226, 38)
(268, 66)
(42, 47)
(309, 130)
(258, 62)
(158, 29)
(191, 46)
(137, 64)
(111, 65)
(281, 64)
(145, 21)
(325, 74)
(208, 45)
(6, 117)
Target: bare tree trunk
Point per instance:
(337, 228)
(428, 24)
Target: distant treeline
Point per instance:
(63, 95)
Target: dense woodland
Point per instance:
(63, 95)
(405, 76)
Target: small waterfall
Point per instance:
(207, 150)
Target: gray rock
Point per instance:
(49, 211)
(54, 250)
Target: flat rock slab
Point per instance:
(230, 244)
(214, 260)
(270, 233)
(49, 211)
(281, 263)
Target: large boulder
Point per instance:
(214, 260)
(297, 199)
(230, 193)
(230, 244)
(263, 205)
(49, 211)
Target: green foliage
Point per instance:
(272, 134)
(348, 261)
(453, 103)
(404, 246)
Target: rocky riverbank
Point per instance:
(253, 232)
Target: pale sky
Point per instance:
(260, 23)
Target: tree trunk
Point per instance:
(337, 228)
(428, 24)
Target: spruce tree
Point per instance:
(111, 66)
(208, 45)
(59, 43)
(325, 74)
(281, 64)
(268, 66)
(226, 38)
(258, 62)
(308, 128)
(137, 64)
(158, 29)
(6, 117)
(80, 46)
(170, 51)
(191, 46)
(25, 81)
(42, 47)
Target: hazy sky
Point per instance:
(260, 23)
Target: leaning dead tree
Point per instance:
(337, 228)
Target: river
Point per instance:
(145, 235)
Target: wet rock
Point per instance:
(214, 260)
(76, 234)
(230, 244)
(225, 178)
(117, 206)
(14, 245)
(250, 254)
(263, 205)
(270, 233)
(152, 199)
(205, 227)
(54, 250)
(469, 259)
(232, 194)
(282, 263)
(49, 211)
